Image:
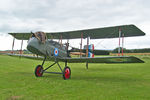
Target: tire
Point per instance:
(39, 71)
(66, 73)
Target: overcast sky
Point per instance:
(67, 15)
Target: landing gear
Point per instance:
(66, 72)
(38, 71)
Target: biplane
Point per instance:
(41, 43)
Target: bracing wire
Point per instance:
(99, 43)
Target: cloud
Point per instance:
(62, 15)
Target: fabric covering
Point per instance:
(95, 33)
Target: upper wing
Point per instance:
(95, 33)
(21, 36)
(116, 59)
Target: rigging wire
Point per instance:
(99, 43)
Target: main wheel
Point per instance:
(66, 73)
(39, 71)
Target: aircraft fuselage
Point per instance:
(49, 48)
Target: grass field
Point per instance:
(99, 82)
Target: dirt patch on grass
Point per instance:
(15, 98)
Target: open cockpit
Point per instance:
(41, 36)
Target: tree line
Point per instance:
(144, 50)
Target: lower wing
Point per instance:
(111, 59)
(121, 59)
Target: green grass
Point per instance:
(99, 82)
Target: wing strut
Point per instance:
(81, 44)
(87, 50)
(121, 35)
(21, 52)
(67, 47)
(12, 52)
(21, 48)
(122, 43)
(119, 41)
(61, 40)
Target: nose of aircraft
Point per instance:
(33, 44)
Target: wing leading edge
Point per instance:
(121, 59)
(95, 33)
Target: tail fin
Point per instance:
(91, 47)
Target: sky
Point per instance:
(68, 15)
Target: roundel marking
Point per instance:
(56, 52)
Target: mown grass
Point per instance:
(99, 82)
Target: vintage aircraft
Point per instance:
(41, 43)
